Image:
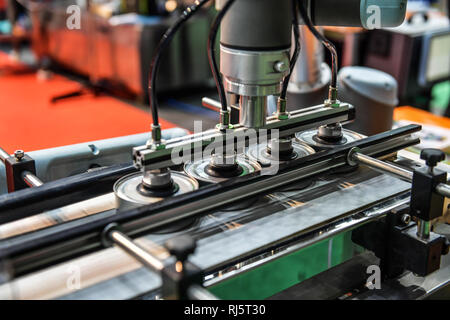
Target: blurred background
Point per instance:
(65, 81)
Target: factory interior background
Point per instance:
(59, 88)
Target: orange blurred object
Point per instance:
(420, 116)
(29, 121)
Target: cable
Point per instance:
(327, 43)
(165, 41)
(212, 57)
(296, 52)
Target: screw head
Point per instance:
(280, 66)
(406, 219)
(19, 154)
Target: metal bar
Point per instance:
(79, 237)
(214, 104)
(55, 194)
(60, 215)
(384, 166)
(31, 180)
(443, 189)
(303, 119)
(423, 229)
(136, 251)
(197, 292)
(4, 155)
(211, 104)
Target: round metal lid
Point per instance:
(126, 189)
(310, 138)
(258, 152)
(197, 169)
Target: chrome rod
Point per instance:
(423, 229)
(382, 165)
(195, 292)
(136, 251)
(31, 180)
(215, 105)
(443, 189)
(211, 104)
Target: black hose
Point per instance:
(165, 41)
(327, 43)
(212, 57)
(296, 52)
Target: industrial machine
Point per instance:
(257, 207)
(113, 49)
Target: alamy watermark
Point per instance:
(374, 280)
(73, 21)
(374, 17)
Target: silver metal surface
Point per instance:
(383, 165)
(60, 215)
(253, 111)
(158, 177)
(309, 72)
(406, 219)
(260, 153)
(330, 131)
(280, 145)
(443, 190)
(196, 169)
(211, 104)
(31, 180)
(136, 251)
(223, 160)
(280, 66)
(423, 229)
(309, 137)
(127, 195)
(252, 73)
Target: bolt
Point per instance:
(19, 154)
(406, 219)
(280, 66)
